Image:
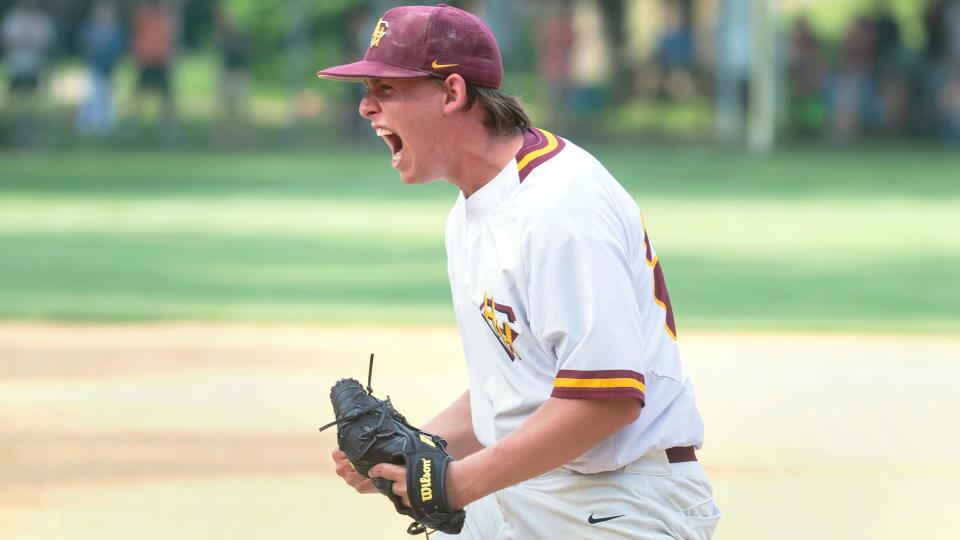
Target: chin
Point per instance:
(414, 179)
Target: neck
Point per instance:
(481, 158)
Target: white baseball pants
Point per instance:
(647, 499)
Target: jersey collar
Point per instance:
(493, 193)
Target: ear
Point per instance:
(455, 94)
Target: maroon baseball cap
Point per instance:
(426, 41)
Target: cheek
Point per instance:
(427, 132)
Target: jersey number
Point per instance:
(660, 294)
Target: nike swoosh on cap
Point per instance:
(592, 520)
(435, 65)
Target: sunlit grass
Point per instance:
(804, 240)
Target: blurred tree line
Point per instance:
(328, 26)
(608, 65)
(271, 26)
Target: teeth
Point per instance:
(381, 132)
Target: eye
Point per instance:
(379, 90)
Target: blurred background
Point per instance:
(198, 238)
(239, 73)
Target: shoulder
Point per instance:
(539, 147)
(572, 189)
(561, 167)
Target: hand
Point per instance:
(350, 476)
(395, 473)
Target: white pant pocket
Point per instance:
(703, 516)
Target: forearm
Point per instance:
(456, 426)
(560, 431)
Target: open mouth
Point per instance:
(393, 141)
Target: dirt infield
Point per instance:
(194, 431)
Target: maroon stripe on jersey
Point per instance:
(542, 159)
(599, 374)
(533, 140)
(591, 393)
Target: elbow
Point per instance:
(633, 410)
(629, 411)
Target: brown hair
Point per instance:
(505, 113)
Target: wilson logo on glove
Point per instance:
(425, 492)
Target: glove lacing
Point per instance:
(354, 415)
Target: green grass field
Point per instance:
(808, 239)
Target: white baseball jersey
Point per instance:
(558, 292)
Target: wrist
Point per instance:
(461, 490)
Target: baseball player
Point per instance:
(579, 421)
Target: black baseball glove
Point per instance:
(371, 431)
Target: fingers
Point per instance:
(397, 474)
(351, 477)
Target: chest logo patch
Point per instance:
(499, 317)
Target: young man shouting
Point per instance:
(579, 420)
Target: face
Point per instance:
(408, 115)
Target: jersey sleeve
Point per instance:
(583, 301)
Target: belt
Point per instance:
(680, 454)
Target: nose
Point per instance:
(368, 106)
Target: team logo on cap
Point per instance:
(378, 32)
(505, 335)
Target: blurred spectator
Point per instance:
(940, 107)
(102, 43)
(235, 60)
(555, 40)
(952, 18)
(935, 24)
(806, 76)
(590, 62)
(674, 53)
(948, 97)
(854, 106)
(893, 66)
(734, 50)
(887, 31)
(28, 34)
(949, 102)
(154, 43)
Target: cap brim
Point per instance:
(367, 69)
